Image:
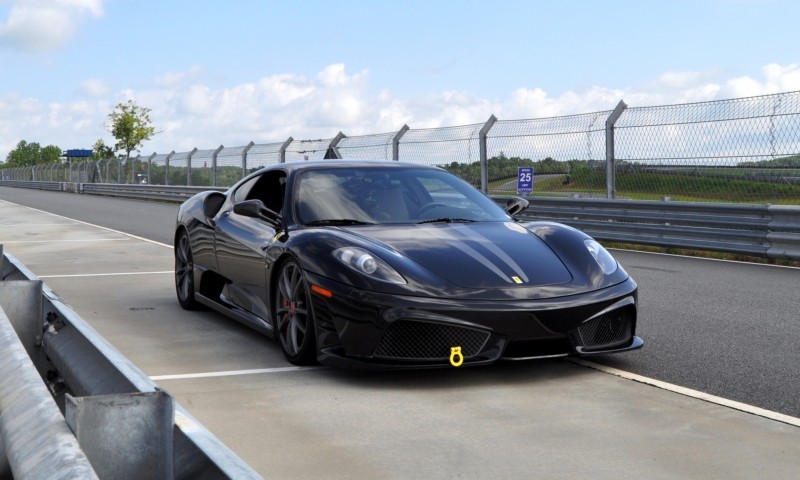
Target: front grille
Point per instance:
(608, 330)
(415, 340)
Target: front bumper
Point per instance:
(362, 329)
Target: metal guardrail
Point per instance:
(169, 193)
(770, 231)
(53, 186)
(101, 393)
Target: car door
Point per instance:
(241, 244)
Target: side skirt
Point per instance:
(241, 316)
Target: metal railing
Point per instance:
(100, 394)
(769, 231)
(744, 150)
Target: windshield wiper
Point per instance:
(338, 221)
(447, 220)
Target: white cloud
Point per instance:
(189, 113)
(41, 25)
(777, 78)
(174, 79)
(94, 87)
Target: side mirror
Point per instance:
(516, 205)
(256, 209)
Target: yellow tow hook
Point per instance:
(456, 358)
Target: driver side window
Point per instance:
(270, 189)
(241, 193)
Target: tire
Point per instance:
(184, 272)
(294, 318)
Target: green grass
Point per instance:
(654, 186)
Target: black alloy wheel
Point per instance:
(294, 318)
(184, 272)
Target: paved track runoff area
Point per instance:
(547, 419)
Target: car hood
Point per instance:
(474, 255)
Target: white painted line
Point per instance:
(231, 373)
(106, 274)
(36, 224)
(704, 258)
(68, 241)
(688, 392)
(93, 225)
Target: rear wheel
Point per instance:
(184, 272)
(294, 319)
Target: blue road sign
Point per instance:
(524, 180)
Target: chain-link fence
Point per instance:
(567, 155)
(739, 150)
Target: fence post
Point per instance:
(136, 161)
(484, 160)
(244, 158)
(189, 167)
(166, 167)
(214, 165)
(150, 164)
(282, 151)
(396, 142)
(333, 152)
(611, 182)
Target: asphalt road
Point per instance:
(724, 328)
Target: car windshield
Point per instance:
(380, 195)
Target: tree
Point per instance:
(101, 151)
(130, 125)
(30, 154)
(50, 154)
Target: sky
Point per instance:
(227, 73)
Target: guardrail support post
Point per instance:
(396, 142)
(282, 151)
(483, 152)
(611, 185)
(125, 435)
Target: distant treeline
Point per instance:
(783, 162)
(503, 167)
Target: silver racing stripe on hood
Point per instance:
(489, 245)
(464, 247)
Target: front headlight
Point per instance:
(607, 263)
(368, 264)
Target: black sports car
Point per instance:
(389, 264)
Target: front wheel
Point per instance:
(184, 272)
(294, 318)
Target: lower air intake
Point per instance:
(415, 340)
(610, 330)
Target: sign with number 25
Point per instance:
(524, 180)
